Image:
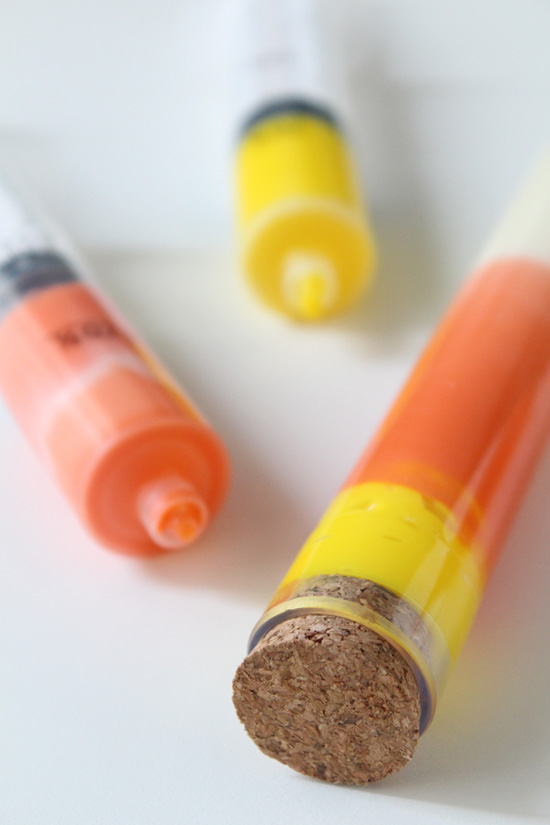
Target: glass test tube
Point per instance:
(305, 240)
(424, 514)
(131, 452)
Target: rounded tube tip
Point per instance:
(172, 513)
(309, 286)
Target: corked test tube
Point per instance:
(133, 455)
(304, 235)
(346, 665)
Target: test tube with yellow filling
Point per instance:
(346, 666)
(305, 240)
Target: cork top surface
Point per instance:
(331, 699)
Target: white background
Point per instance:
(115, 685)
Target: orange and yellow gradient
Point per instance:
(425, 511)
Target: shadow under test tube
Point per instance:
(407, 546)
(138, 462)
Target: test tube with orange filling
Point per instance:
(138, 462)
(346, 665)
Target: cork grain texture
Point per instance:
(328, 696)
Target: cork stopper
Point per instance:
(329, 697)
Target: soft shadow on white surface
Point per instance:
(408, 291)
(411, 285)
(252, 542)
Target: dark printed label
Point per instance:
(286, 107)
(31, 272)
(91, 329)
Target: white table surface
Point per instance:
(115, 687)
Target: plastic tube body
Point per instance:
(132, 454)
(425, 512)
(305, 240)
